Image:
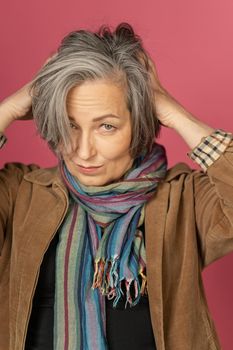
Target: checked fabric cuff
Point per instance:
(210, 148)
(3, 139)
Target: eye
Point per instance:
(73, 126)
(108, 127)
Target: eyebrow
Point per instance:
(99, 118)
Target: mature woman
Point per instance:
(106, 250)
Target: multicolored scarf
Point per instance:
(100, 248)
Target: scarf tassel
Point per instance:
(106, 278)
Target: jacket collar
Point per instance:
(45, 176)
(49, 176)
(176, 170)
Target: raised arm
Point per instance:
(16, 106)
(173, 115)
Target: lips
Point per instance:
(90, 169)
(89, 166)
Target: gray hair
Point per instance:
(84, 55)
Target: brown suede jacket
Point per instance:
(188, 225)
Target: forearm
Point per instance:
(173, 115)
(190, 128)
(15, 107)
(5, 117)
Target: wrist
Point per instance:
(6, 117)
(173, 115)
(170, 112)
(192, 130)
(182, 119)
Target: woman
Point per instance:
(106, 250)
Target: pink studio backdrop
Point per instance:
(191, 43)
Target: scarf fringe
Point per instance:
(106, 278)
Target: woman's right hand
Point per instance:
(18, 105)
(15, 107)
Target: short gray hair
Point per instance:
(84, 55)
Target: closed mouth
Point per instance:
(89, 166)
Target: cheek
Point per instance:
(115, 147)
(113, 151)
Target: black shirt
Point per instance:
(128, 328)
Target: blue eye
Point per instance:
(108, 127)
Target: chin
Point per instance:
(91, 181)
(96, 182)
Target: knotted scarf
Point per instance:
(100, 248)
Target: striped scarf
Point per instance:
(101, 248)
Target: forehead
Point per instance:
(97, 96)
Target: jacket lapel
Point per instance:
(154, 231)
(155, 224)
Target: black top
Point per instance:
(128, 328)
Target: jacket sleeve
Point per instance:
(213, 195)
(10, 178)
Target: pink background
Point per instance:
(191, 43)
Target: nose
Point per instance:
(85, 146)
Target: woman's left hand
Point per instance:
(167, 107)
(173, 115)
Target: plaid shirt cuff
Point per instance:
(210, 148)
(3, 139)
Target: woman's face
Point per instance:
(101, 133)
